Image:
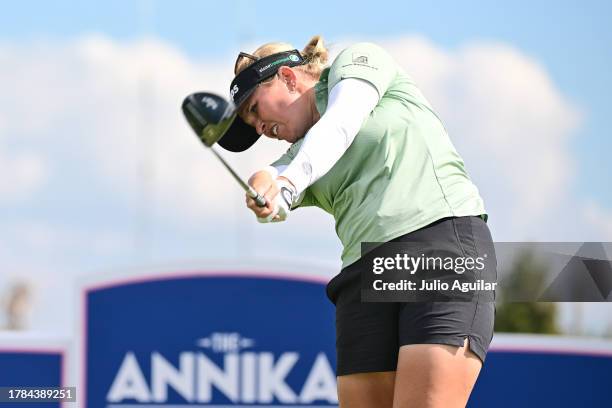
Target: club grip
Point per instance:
(261, 202)
(259, 199)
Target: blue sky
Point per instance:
(571, 39)
(81, 214)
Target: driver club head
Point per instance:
(209, 115)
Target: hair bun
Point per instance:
(315, 52)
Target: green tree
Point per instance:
(527, 280)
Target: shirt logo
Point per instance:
(360, 59)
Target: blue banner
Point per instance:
(210, 340)
(542, 378)
(30, 368)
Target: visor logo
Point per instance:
(294, 58)
(234, 91)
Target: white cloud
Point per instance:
(96, 124)
(508, 120)
(117, 105)
(113, 110)
(106, 116)
(108, 113)
(600, 219)
(46, 239)
(23, 175)
(49, 256)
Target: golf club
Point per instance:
(210, 115)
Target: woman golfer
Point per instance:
(368, 148)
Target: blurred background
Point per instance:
(100, 172)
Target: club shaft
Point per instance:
(248, 189)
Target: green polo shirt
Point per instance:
(401, 172)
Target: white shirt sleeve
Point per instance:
(349, 104)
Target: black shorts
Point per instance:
(369, 335)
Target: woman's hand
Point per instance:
(263, 183)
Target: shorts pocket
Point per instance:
(465, 236)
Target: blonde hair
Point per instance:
(314, 53)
